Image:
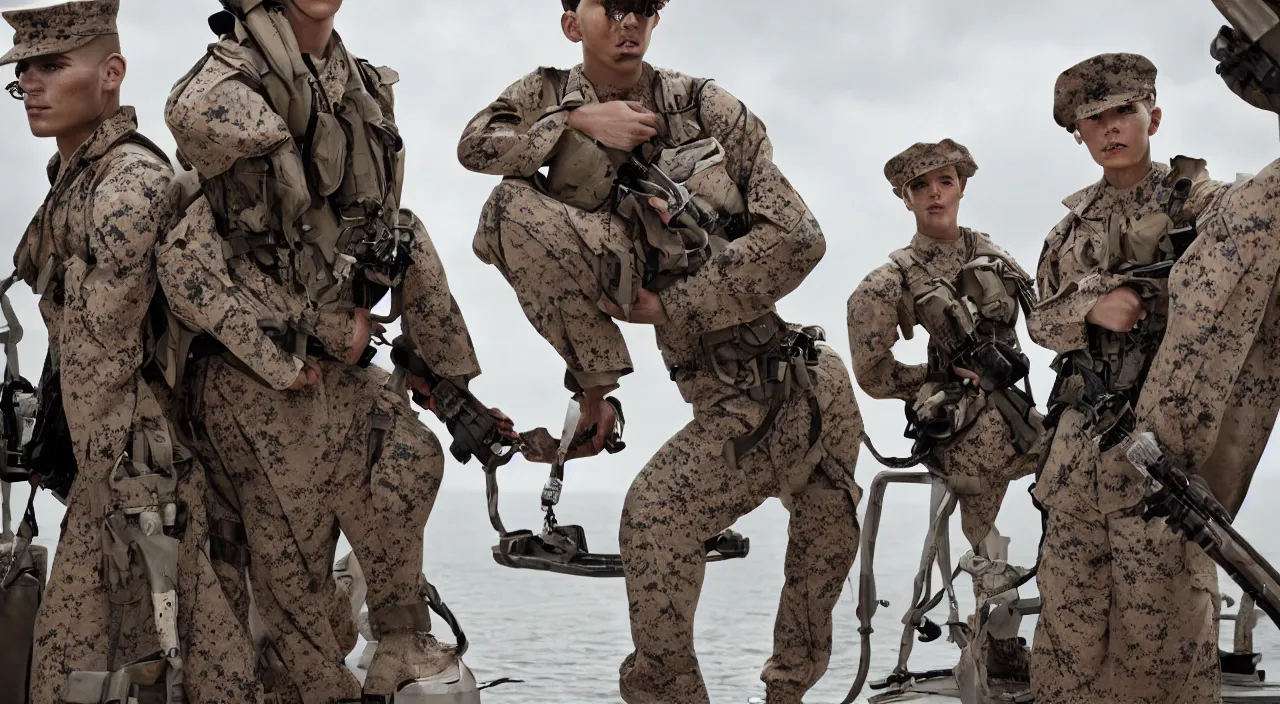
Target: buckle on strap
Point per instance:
(114, 687)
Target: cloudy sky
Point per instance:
(842, 86)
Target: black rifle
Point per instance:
(1187, 505)
(474, 430)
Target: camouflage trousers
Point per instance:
(980, 463)
(345, 455)
(688, 493)
(1129, 607)
(85, 624)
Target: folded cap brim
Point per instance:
(22, 52)
(1098, 107)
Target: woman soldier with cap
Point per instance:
(971, 422)
(1157, 292)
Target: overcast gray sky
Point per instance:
(842, 86)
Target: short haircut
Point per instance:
(570, 5)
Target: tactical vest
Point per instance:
(323, 214)
(1104, 380)
(589, 176)
(766, 359)
(45, 268)
(970, 321)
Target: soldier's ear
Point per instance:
(1156, 116)
(571, 26)
(1079, 139)
(113, 72)
(964, 181)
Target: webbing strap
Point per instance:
(5, 533)
(12, 334)
(85, 687)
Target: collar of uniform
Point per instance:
(927, 245)
(336, 71)
(1084, 196)
(579, 83)
(1142, 192)
(120, 126)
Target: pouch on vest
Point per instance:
(144, 525)
(328, 154)
(947, 316)
(580, 173)
(739, 356)
(993, 287)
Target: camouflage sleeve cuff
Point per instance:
(334, 329)
(681, 308)
(282, 376)
(1058, 323)
(581, 381)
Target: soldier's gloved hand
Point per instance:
(1247, 70)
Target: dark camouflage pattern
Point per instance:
(1215, 385)
(981, 456)
(299, 467)
(687, 492)
(1100, 83)
(98, 227)
(923, 157)
(58, 29)
(348, 453)
(1127, 611)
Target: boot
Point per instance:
(781, 694)
(405, 656)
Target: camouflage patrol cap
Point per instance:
(923, 157)
(1098, 84)
(58, 29)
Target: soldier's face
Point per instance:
(1120, 137)
(316, 10)
(934, 199)
(615, 40)
(65, 92)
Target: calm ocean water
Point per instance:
(565, 636)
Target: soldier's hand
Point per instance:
(1118, 311)
(308, 376)
(362, 333)
(506, 426)
(966, 374)
(617, 124)
(645, 310)
(1247, 70)
(420, 385)
(597, 413)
